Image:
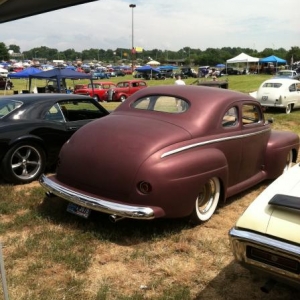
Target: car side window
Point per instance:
(251, 114)
(54, 114)
(230, 118)
(161, 103)
(292, 88)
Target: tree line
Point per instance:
(186, 55)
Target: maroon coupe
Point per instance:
(170, 151)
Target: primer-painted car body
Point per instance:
(175, 138)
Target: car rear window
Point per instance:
(161, 103)
(272, 85)
(7, 106)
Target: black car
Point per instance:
(231, 71)
(33, 128)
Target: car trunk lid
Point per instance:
(108, 153)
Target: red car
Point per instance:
(124, 89)
(97, 91)
(171, 152)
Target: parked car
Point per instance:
(203, 71)
(119, 73)
(186, 72)
(6, 84)
(124, 89)
(230, 71)
(33, 127)
(171, 152)
(163, 74)
(97, 90)
(283, 93)
(79, 87)
(287, 74)
(100, 75)
(266, 237)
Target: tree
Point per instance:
(4, 55)
(14, 48)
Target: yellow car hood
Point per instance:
(279, 221)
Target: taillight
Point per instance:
(144, 187)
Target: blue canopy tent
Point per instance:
(60, 75)
(147, 70)
(273, 59)
(25, 73)
(167, 67)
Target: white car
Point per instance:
(266, 238)
(287, 74)
(283, 93)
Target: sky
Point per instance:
(161, 24)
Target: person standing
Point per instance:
(178, 80)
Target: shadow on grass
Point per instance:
(235, 282)
(124, 232)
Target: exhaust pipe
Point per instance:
(115, 218)
(49, 194)
(268, 286)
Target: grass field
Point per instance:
(50, 254)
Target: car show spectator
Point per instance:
(178, 80)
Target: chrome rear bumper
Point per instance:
(280, 260)
(93, 203)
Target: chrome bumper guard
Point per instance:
(123, 210)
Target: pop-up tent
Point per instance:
(59, 75)
(243, 58)
(273, 59)
(25, 73)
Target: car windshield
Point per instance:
(162, 103)
(7, 106)
(272, 85)
(285, 73)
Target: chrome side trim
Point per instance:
(211, 142)
(123, 210)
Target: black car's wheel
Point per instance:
(206, 201)
(23, 163)
(122, 98)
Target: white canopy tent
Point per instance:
(243, 58)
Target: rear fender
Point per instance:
(179, 177)
(278, 148)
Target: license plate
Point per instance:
(78, 210)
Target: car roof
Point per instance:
(281, 80)
(28, 98)
(204, 102)
(202, 98)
